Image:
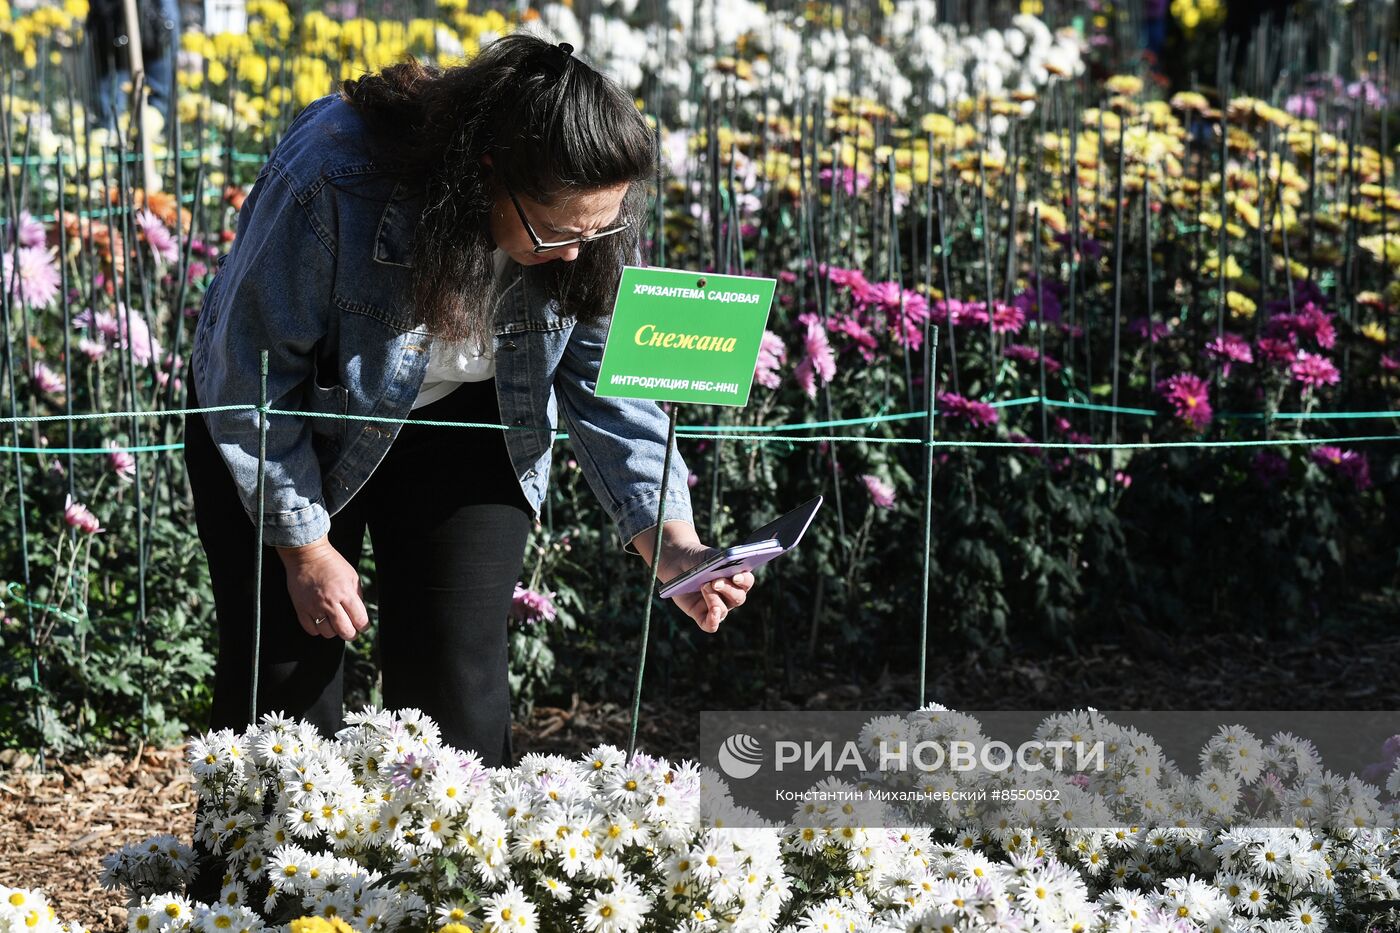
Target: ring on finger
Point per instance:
(319, 620)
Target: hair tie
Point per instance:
(556, 58)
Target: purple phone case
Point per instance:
(726, 569)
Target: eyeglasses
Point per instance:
(541, 246)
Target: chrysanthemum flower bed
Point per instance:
(386, 828)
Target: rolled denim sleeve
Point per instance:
(620, 443)
(275, 294)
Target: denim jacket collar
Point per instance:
(393, 241)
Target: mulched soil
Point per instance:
(56, 826)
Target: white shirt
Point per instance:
(451, 363)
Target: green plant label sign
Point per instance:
(680, 336)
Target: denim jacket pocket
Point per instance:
(396, 316)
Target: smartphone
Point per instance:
(762, 545)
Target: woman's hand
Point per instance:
(324, 586)
(712, 602)
(683, 550)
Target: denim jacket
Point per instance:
(318, 275)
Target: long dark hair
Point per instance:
(549, 134)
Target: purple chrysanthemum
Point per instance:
(1025, 300)
(1151, 331)
(1351, 464)
(1269, 467)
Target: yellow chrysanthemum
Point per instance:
(1211, 264)
(1241, 306)
(1123, 84)
(1385, 250)
(1373, 331)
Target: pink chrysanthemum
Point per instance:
(1025, 353)
(850, 180)
(819, 361)
(1007, 318)
(163, 245)
(1229, 349)
(1313, 370)
(771, 355)
(31, 231)
(1189, 397)
(960, 313)
(37, 283)
(122, 463)
(881, 493)
(856, 332)
(77, 515)
(906, 322)
(529, 607)
(47, 381)
(1063, 426)
(92, 349)
(977, 413)
(143, 345)
(881, 295)
(1151, 331)
(1276, 350)
(850, 278)
(1310, 321)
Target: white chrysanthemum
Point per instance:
(620, 910)
(511, 910)
(1305, 917)
(455, 912)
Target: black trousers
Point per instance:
(448, 523)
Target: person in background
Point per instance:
(159, 21)
(1154, 30)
